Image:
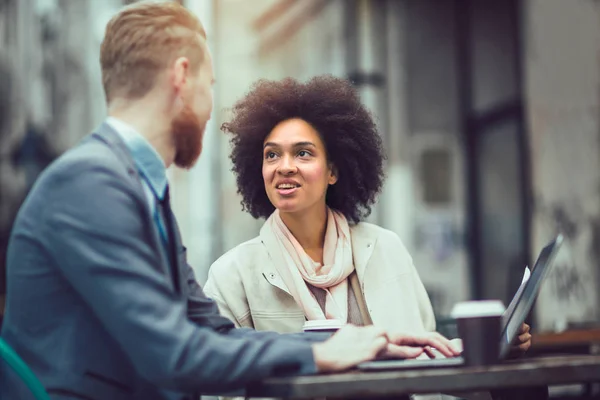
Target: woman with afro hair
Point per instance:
(309, 159)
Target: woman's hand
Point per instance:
(522, 342)
(412, 345)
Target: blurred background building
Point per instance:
(489, 110)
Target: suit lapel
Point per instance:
(178, 249)
(108, 135)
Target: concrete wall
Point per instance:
(428, 122)
(562, 73)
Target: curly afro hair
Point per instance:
(333, 107)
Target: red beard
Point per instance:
(188, 133)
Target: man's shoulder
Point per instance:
(89, 154)
(88, 170)
(90, 160)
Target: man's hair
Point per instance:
(142, 40)
(334, 109)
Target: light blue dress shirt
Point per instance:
(150, 167)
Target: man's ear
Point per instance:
(333, 176)
(179, 73)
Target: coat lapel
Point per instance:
(179, 258)
(362, 250)
(378, 295)
(269, 271)
(108, 135)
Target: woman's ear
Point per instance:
(333, 174)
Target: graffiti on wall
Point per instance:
(572, 281)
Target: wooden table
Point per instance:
(567, 338)
(356, 384)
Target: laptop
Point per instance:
(512, 319)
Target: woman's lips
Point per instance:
(287, 191)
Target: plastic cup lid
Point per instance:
(324, 324)
(482, 308)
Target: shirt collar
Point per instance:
(146, 158)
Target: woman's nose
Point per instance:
(287, 166)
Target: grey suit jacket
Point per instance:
(91, 304)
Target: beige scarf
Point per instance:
(299, 268)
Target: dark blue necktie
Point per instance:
(163, 216)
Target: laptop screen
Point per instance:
(527, 294)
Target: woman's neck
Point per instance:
(309, 230)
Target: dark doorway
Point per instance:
(498, 185)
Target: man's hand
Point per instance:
(426, 341)
(348, 347)
(522, 342)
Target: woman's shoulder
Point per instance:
(241, 255)
(368, 230)
(383, 238)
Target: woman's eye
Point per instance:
(303, 153)
(269, 155)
